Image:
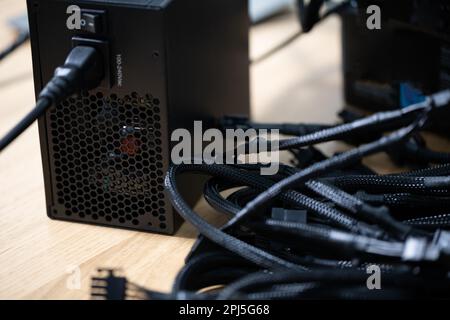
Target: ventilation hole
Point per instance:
(107, 164)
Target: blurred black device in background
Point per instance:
(408, 58)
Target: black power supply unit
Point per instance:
(167, 63)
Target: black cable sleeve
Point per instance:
(423, 154)
(391, 183)
(245, 250)
(321, 167)
(211, 262)
(379, 215)
(292, 197)
(212, 195)
(381, 121)
(341, 240)
(254, 281)
(406, 200)
(440, 170)
(436, 221)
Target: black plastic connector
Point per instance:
(82, 70)
(103, 49)
(109, 286)
(422, 249)
(297, 216)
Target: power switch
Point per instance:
(91, 21)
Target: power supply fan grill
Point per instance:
(107, 161)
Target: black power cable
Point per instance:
(323, 166)
(422, 185)
(309, 16)
(379, 215)
(83, 69)
(382, 121)
(346, 278)
(20, 40)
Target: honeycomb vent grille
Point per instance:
(107, 161)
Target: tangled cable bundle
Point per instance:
(319, 228)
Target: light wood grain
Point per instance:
(37, 255)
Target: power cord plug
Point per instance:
(82, 70)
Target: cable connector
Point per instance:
(421, 249)
(296, 216)
(82, 70)
(442, 241)
(441, 99)
(108, 286)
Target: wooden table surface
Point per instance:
(44, 259)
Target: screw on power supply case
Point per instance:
(105, 152)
